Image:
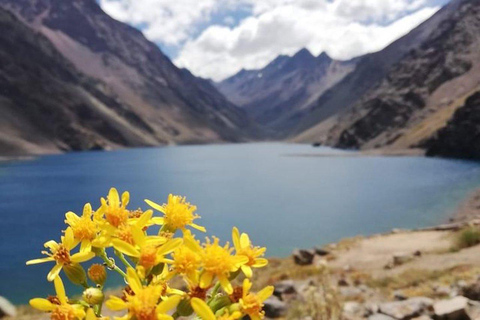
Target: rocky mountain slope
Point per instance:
(172, 103)
(284, 86)
(418, 93)
(47, 105)
(460, 138)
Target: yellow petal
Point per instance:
(265, 293)
(144, 218)
(260, 262)
(115, 304)
(82, 257)
(52, 245)
(41, 260)
(206, 279)
(154, 205)
(69, 240)
(168, 304)
(90, 315)
(113, 198)
(199, 228)
(60, 290)
(246, 286)
(125, 248)
(169, 246)
(86, 246)
(42, 304)
(125, 198)
(247, 271)
(71, 217)
(236, 238)
(54, 272)
(244, 240)
(87, 210)
(226, 285)
(138, 236)
(133, 280)
(202, 309)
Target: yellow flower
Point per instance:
(113, 209)
(143, 302)
(60, 309)
(60, 253)
(149, 250)
(205, 313)
(178, 214)
(185, 262)
(244, 247)
(251, 303)
(218, 261)
(84, 229)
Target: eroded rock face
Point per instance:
(461, 137)
(406, 309)
(453, 309)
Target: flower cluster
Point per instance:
(168, 273)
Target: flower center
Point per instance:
(124, 233)
(62, 255)
(143, 304)
(84, 229)
(185, 261)
(148, 256)
(179, 213)
(252, 304)
(116, 216)
(197, 292)
(217, 259)
(63, 312)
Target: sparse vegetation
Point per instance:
(322, 301)
(467, 237)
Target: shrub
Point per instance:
(467, 237)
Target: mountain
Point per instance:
(284, 86)
(169, 104)
(47, 105)
(429, 74)
(460, 138)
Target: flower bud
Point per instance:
(93, 296)
(184, 308)
(97, 274)
(75, 273)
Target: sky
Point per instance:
(217, 38)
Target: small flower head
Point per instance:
(84, 229)
(244, 247)
(59, 309)
(60, 253)
(93, 296)
(97, 273)
(178, 213)
(218, 261)
(252, 303)
(115, 210)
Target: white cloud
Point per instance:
(343, 28)
(221, 51)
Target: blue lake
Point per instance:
(281, 194)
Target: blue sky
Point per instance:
(217, 38)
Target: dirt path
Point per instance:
(372, 254)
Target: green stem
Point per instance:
(122, 258)
(214, 292)
(111, 265)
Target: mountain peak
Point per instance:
(324, 57)
(303, 54)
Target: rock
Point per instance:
(406, 309)
(321, 252)
(453, 309)
(284, 287)
(303, 257)
(371, 308)
(444, 291)
(399, 295)
(274, 308)
(401, 258)
(6, 308)
(343, 282)
(379, 316)
(353, 308)
(471, 291)
(350, 292)
(424, 317)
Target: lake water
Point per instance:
(283, 200)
